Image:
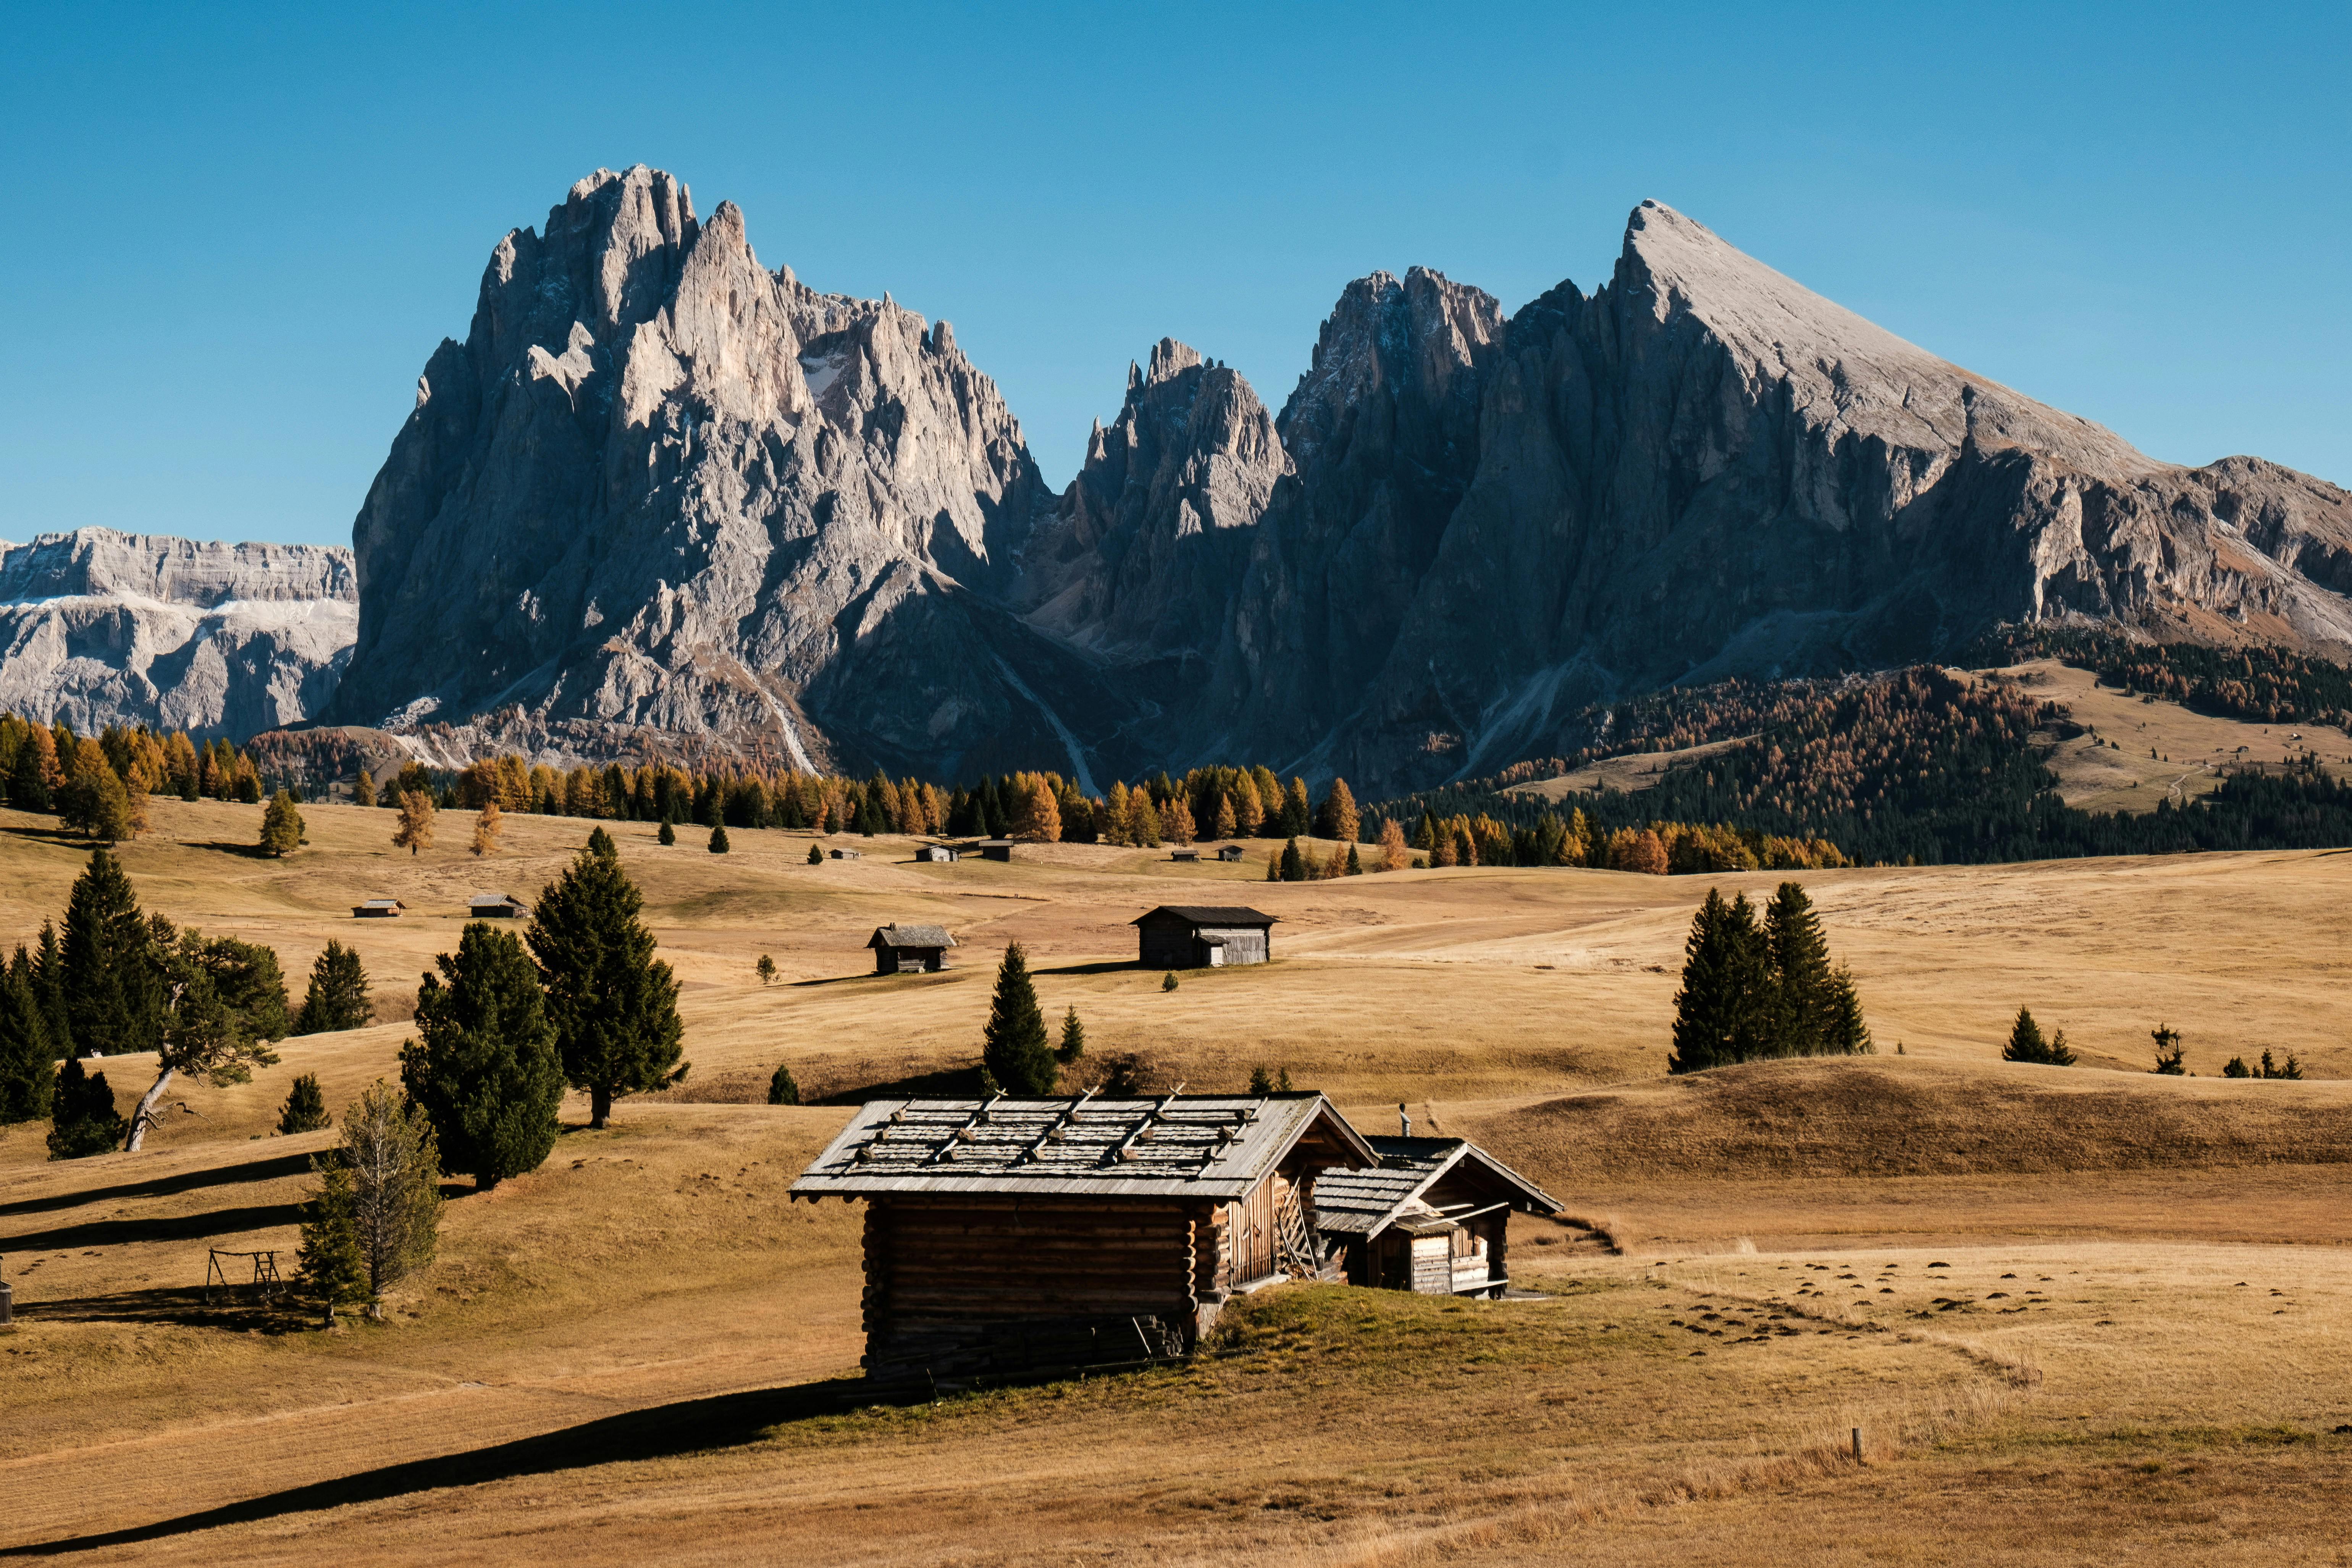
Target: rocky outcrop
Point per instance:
(1701, 470)
(660, 492)
(98, 627)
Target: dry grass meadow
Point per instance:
(2076, 1314)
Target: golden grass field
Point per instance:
(2077, 1314)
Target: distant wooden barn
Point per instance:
(946, 854)
(1010, 1238)
(844, 854)
(994, 848)
(1229, 852)
(496, 907)
(1434, 1217)
(378, 910)
(1185, 853)
(910, 949)
(1203, 936)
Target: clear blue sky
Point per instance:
(237, 232)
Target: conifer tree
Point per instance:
(364, 789)
(414, 831)
(718, 839)
(816, 853)
(667, 834)
(305, 1109)
(1226, 824)
(1355, 864)
(2169, 1051)
(1394, 853)
(601, 845)
(329, 1267)
(2026, 1044)
(782, 1090)
(1013, 1052)
(1293, 865)
(28, 1063)
(281, 826)
(1261, 1082)
(1169, 983)
(484, 1068)
(226, 1001)
(338, 997)
(1723, 1013)
(1846, 1033)
(1298, 817)
(766, 969)
(110, 984)
(487, 826)
(82, 1118)
(1804, 996)
(1337, 817)
(388, 1147)
(1074, 1039)
(1273, 868)
(612, 1004)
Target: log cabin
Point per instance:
(1015, 1238)
(1434, 1217)
(1203, 936)
(495, 907)
(903, 949)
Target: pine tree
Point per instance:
(1298, 817)
(2169, 1051)
(485, 1069)
(338, 997)
(1293, 865)
(601, 845)
(281, 826)
(667, 834)
(2027, 1045)
(782, 1090)
(1337, 817)
(2236, 1068)
(612, 1005)
(1804, 996)
(718, 839)
(816, 853)
(28, 1063)
(1723, 1013)
(388, 1147)
(1169, 983)
(227, 1001)
(1846, 1033)
(1074, 1039)
(766, 969)
(305, 1109)
(112, 989)
(330, 1268)
(414, 830)
(82, 1118)
(1261, 1082)
(50, 990)
(1013, 1050)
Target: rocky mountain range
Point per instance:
(98, 627)
(663, 499)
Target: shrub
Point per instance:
(782, 1088)
(305, 1109)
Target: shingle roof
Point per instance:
(1209, 915)
(1365, 1202)
(1217, 1148)
(910, 936)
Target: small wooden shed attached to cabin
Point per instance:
(378, 910)
(844, 854)
(946, 853)
(994, 848)
(1010, 1238)
(1434, 1217)
(911, 950)
(1203, 936)
(496, 907)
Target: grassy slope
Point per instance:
(653, 1266)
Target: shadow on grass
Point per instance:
(238, 1307)
(1111, 966)
(664, 1431)
(949, 1083)
(225, 847)
(950, 973)
(173, 1227)
(269, 1170)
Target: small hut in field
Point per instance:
(1012, 1238)
(1434, 1217)
(1229, 852)
(378, 910)
(1203, 936)
(496, 907)
(943, 853)
(902, 949)
(994, 848)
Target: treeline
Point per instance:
(100, 784)
(1543, 837)
(2265, 685)
(1046, 807)
(1922, 767)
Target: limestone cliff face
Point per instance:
(660, 491)
(98, 627)
(1701, 470)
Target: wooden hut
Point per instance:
(945, 854)
(496, 907)
(1229, 852)
(994, 848)
(1203, 936)
(1011, 1238)
(910, 949)
(1434, 1217)
(378, 910)
(844, 854)
(1184, 852)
